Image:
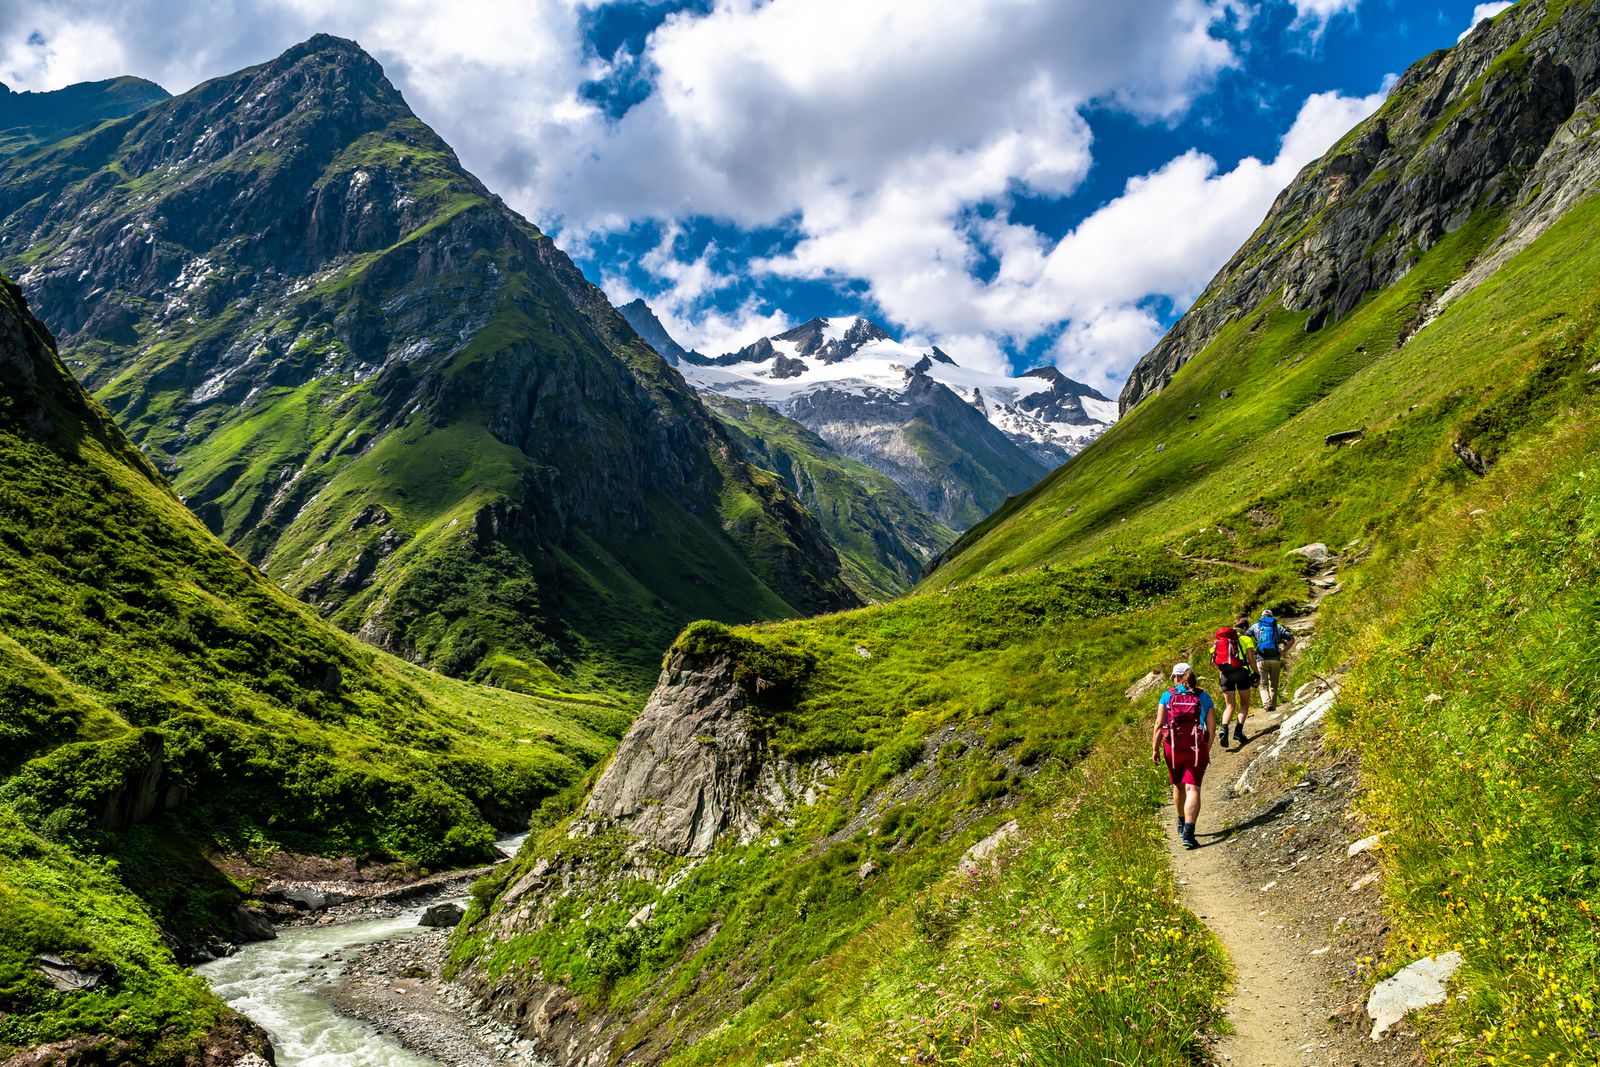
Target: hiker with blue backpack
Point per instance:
(1272, 640)
(1183, 739)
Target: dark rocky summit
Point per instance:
(1502, 125)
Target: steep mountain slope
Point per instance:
(28, 120)
(960, 441)
(883, 537)
(799, 893)
(649, 328)
(158, 695)
(390, 391)
(1495, 126)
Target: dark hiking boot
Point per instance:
(1189, 838)
(1224, 739)
(1238, 733)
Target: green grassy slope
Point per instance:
(995, 690)
(151, 679)
(883, 537)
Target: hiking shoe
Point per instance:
(1224, 739)
(1189, 839)
(1238, 733)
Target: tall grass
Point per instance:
(1073, 950)
(1474, 699)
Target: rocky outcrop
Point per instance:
(693, 769)
(649, 328)
(1496, 124)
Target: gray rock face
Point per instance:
(249, 925)
(691, 770)
(911, 437)
(647, 326)
(1493, 124)
(65, 978)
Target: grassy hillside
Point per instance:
(883, 537)
(159, 695)
(1465, 519)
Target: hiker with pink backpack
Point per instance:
(1183, 738)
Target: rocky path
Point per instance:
(1275, 880)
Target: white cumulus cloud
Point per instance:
(886, 136)
(1484, 11)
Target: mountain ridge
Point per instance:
(1401, 181)
(906, 410)
(369, 343)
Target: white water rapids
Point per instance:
(274, 983)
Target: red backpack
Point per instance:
(1186, 743)
(1228, 653)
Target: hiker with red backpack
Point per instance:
(1233, 655)
(1272, 641)
(1183, 738)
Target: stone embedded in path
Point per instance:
(1364, 844)
(1416, 986)
(1304, 717)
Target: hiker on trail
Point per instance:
(1183, 738)
(1272, 641)
(1234, 657)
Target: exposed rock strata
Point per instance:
(1496, 124)
(693, 769)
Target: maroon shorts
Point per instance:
(1187, 775)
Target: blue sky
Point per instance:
(1020, 181)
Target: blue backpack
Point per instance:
(1267, 636)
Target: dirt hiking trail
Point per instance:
(1301, 918)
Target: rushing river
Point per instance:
(275, 982)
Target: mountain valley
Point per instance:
(347, 523)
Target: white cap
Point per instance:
(1180, 669)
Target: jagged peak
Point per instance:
(326, 44)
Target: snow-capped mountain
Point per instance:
(960, 440)
(1047, 414)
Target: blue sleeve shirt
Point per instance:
(1206, 704)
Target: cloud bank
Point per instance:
(885, 139)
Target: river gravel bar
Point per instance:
(395, 987)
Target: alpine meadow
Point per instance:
(408, 657)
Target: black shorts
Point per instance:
(1235, 679)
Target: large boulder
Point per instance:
(441, 915)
